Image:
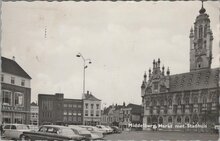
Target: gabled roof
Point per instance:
(91, 97)
(200, 79)
(33, 104)
(12, 67)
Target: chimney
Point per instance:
(13, 58)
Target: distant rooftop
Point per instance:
(12, 67)
(89, 96)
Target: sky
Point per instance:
(120, 38)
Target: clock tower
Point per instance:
(201, 42)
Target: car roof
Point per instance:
(56, 126)
(14, 124)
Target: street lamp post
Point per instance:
(84, 68)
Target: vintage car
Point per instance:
(51, 133)
(116, 129)
(94, 130)
(14, 131)
(86, 133)
(105, 128)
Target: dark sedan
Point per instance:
(116, 129)
(51, 133)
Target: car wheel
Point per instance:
(22, 137)
(25, 138)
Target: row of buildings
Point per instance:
(16, 106)
(191, 97)
(122, 115)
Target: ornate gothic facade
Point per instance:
(188, 97)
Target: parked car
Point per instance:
(86, 133)
(104, 128)
(52, 132)
(14, 131)
(116, 129)
(94, 130)
(110, 129)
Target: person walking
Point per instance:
(1, 128)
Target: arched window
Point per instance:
(160, 120)
(161, 102)
(178, 101)
(178, 119)
(195, 99)
(186, 119)
(170, 119)
(170, 102)
(186, 100)
(148, 120)
(204, 99)
(154, 102)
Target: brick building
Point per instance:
(16, 92)
(187, 98)
(56, 109)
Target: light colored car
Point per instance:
(110, 129)
(86, 133)
(107, 130)
(14, 131)
(94, 130)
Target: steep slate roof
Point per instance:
(91, 97)
(207, 78)
(106, 110)
(12, 67)
(136, 109)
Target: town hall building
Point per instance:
(187, 98)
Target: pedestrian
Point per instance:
(1, 128)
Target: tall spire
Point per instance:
(202, 10)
